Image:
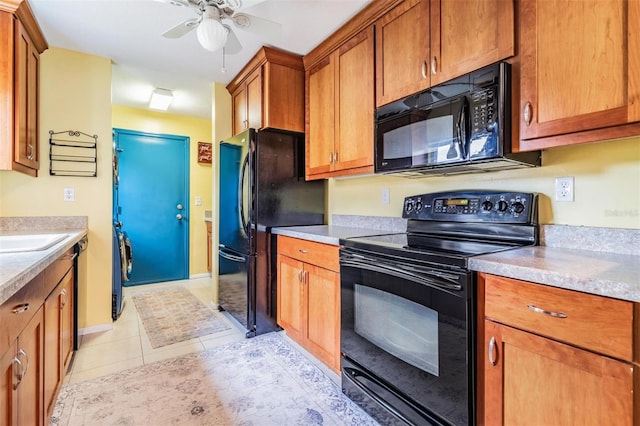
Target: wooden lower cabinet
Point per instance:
(21, 372)
(309, 297)
(531, 376)
(58, 311)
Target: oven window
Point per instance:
(389, 321)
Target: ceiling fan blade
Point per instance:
(182, 28)
(232, 46)
(261, 26)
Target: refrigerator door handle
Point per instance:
(245, 168)
(229, 256)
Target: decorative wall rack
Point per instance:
(73, 157)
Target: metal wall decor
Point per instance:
(73, 157)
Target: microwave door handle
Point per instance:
(461, 129)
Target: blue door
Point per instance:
(152, 199)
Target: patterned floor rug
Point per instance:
(174, 315)
(260, 381)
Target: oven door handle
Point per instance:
(442, 282)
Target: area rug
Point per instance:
(174, 315)
(260, 381)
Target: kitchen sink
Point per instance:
(32, 242)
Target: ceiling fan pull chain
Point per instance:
(224, 68)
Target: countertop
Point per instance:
(327, 234)
(602, 273)
(17, 269)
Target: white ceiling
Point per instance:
(129, 33)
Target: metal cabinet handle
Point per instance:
(434, 65)
(26, 357)
(305, 277)
(29, 151)
(303, 251)
(63, 293)
(492, 350)
(527, 113)
(20, 374)
(20, 308)
(424, 69)
(300, 276)
(534, 308)
(335, 157)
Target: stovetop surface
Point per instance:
(425, 248)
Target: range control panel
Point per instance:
(473, 206)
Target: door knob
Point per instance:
(179, 207)
(179, 216)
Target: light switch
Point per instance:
(198, 201)
(69, 194)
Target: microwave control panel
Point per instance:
(483, 110)
(473, 206)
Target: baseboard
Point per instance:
(195, 276)
(95, 329)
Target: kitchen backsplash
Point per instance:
(395, 224)
(42, 223)
(613, 240)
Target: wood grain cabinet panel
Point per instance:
(421, 43)
(269, 92)
(554, 356)
(340, 109)
(579, 71)
(21, 43)
(309, 296)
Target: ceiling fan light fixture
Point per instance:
(161, 99)
(212, 35)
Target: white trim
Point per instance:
(95, 329)
(195, 276)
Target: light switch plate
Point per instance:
(69, 194)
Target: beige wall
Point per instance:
(198, 130)
(607, 186)
(75, 95)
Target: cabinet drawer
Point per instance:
(596, 323)
(319, 254)
(58, 269)
(20, 308)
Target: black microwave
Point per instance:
(461, 126)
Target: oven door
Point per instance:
(428, 136)
(406, 338)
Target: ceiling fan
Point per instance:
(212, 33)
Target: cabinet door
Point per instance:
(26, 99)
(292, 308)
(239, 101)
(321, 118)
(30, 390)
(402, 51)
(469, 35)
(8, 400)
(52, 346)
(355, 103)
(67, 322)
(579, 71)
(254, 99)
(323, 288)
(537, 381)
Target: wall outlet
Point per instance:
(69, 194)
(384, 195)
(564, 188)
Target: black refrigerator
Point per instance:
(262, 186)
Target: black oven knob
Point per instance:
(409, 206)
(502, 206)
(487, 205)
(418, 205)
(517, 207)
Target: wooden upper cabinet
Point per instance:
(269, 92)
(468, 35)
(580, 78)
(21, 43)
(402, 51)
(422, 43)
(340, 108)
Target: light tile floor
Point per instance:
(126, 346)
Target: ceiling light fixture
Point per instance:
(212, 35)
(160, 99)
